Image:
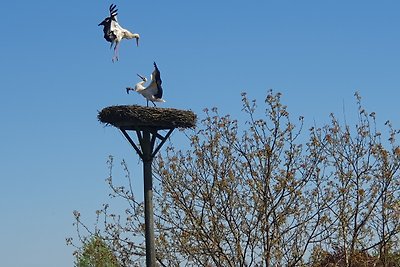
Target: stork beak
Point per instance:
(140, 76)
(137, 41)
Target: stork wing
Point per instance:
(159, 91)
(113, 16)
(154, 90)
(113, 12)
(114, 27)
(109, 33)
(156, 78)
(156, 75)
(108, 22)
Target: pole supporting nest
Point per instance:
(154, 136)
(147, 121)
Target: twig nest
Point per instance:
(135, 117)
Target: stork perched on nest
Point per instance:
(153, 92)
(114, 33)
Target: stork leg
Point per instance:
(147, 103)
(115, 57)
(153, 103)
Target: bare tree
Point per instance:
(254, 193)
(363, 178)
(238, 197)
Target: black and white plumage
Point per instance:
(114, 33)
(153, 92)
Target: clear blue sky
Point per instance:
(56, 73)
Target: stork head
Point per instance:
(128, 35)
(137, 36)
(142, 77)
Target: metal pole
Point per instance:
(147, 154)
(148, 199)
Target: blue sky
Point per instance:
(56, 73)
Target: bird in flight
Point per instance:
(114, 33)
(153, 92)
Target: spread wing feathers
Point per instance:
(113, 12)
(152, 89)
(156, 80)
(109, 24)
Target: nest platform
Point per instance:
(133, 117)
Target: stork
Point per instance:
(114, 33)
(153, 92)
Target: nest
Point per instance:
(135, 117)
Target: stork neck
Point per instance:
(129, 35)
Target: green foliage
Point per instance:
(96, 253)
